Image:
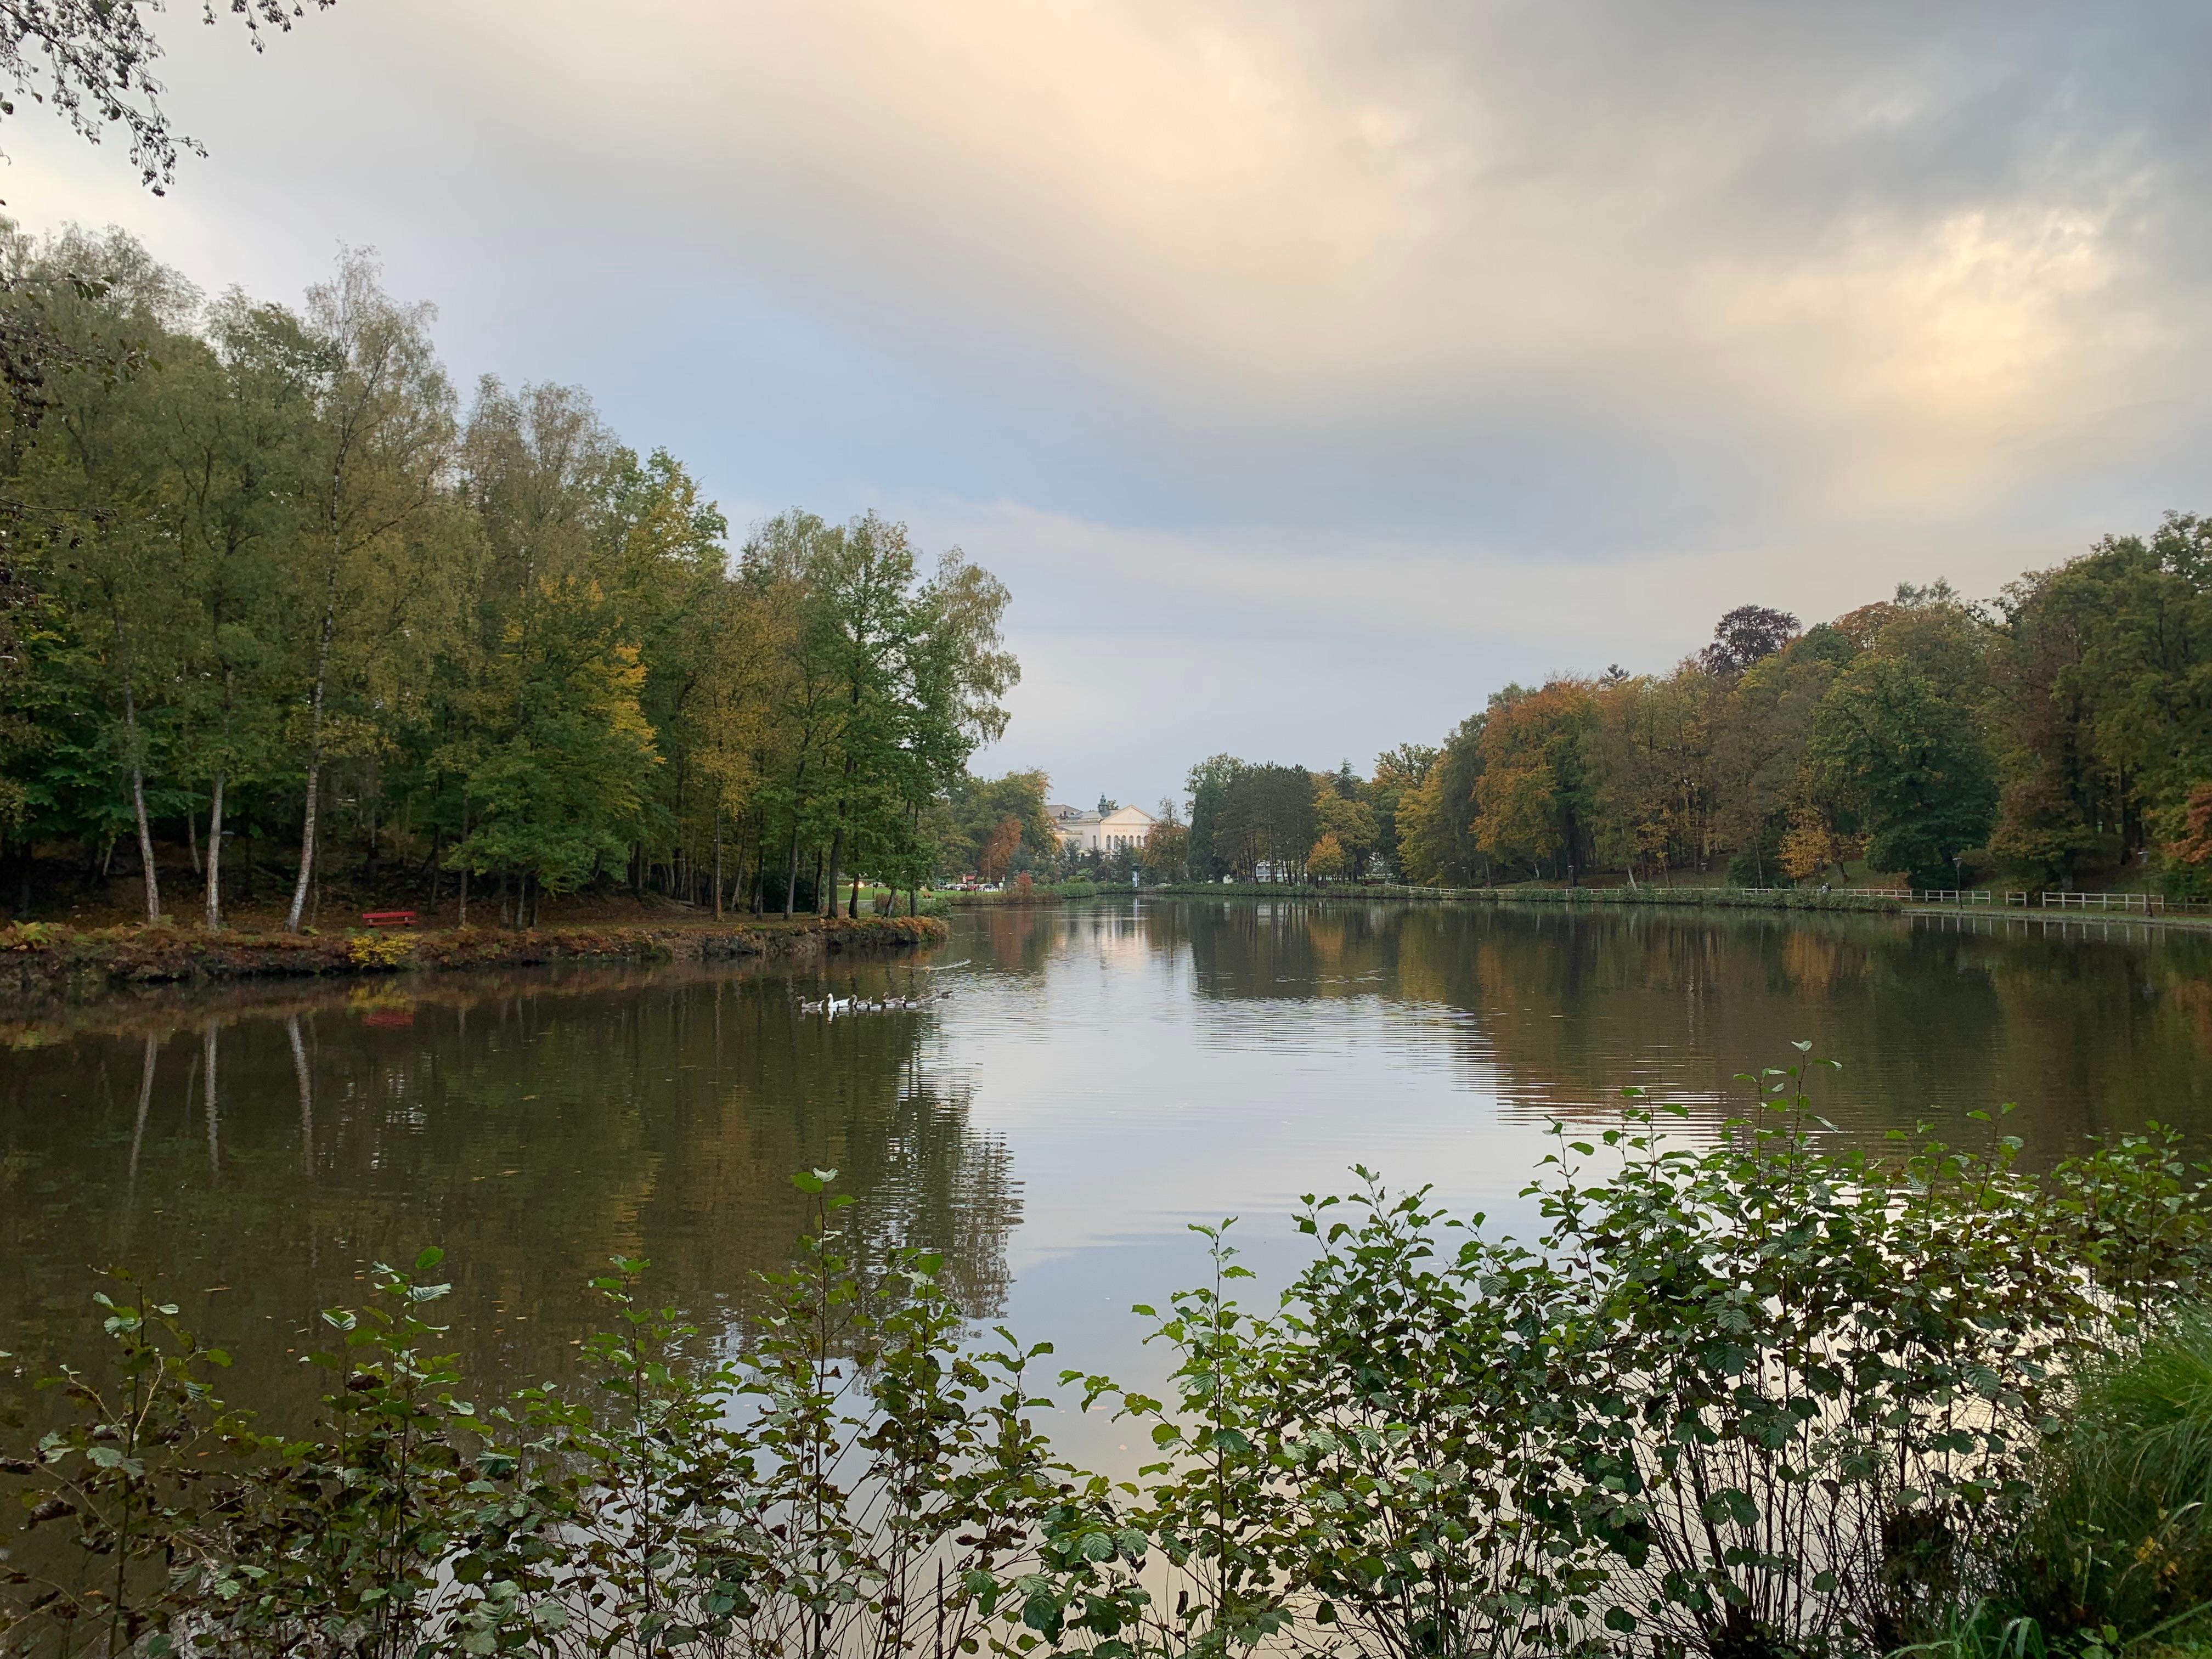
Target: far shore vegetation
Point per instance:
(290, 630)
(2059, 738)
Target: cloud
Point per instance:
(1394, 346)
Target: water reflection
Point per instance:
(1096, 1078)
(2091, 1029)
(258, 1155)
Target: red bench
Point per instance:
(388, 918)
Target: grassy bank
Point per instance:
(1724, 898)
(954, 898)
(44, 959)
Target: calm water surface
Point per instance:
(1081, 1086)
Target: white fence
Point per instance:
(2140, 904)
(2137, 904)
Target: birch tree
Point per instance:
(385, 431)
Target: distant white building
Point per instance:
(1082, 831)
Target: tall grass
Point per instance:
(2122, 1534)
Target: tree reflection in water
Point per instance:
(2092, 1029)
(1155, 1060)
(257, 1150)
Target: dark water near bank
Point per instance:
(1095, 1080)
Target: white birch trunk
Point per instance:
(214, 857)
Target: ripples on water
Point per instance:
(1097, 1078)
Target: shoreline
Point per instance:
(1714, 898)
(1717, 898)
(56, 962)
(1803, 902)
(2084, 917)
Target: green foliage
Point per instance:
(2063, 736)
(1265, 817)
(1758, 1397)
(1436, 818)
(1005, 814)
(94, 65)
(2106, 666)
(1400, 774)
(1759, 1394)
(1015, 894)
(557, 791)
(1208, 784)
(1913, 761)
(863, 1477)
(2119, 1535)
(267, 579)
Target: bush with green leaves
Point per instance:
(862, 1478)
(1766, 1395)
(1760, 1393)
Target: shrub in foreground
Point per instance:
(860, 1479)
(1764, 1395)
(1769, 1397)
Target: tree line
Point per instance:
(2060, 735)
(275, 602)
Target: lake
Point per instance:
(1077, 1086)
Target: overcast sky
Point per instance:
(1308, 370)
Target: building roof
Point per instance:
(1069, 818)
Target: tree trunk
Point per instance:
(138, 780)
(829, 894)
(315, 891)
(214, 856)
(718, 863)
(790, 874)
(314, 752)
(193, 840)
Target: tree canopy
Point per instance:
(92, 62)
(275, 586)
(2060, 736)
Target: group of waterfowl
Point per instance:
(833, 1006)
